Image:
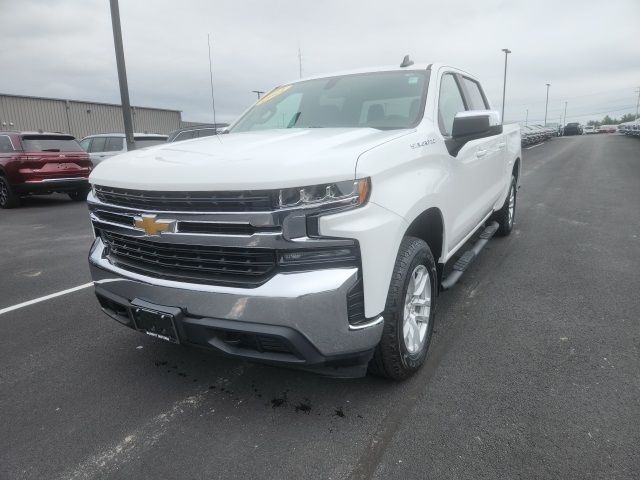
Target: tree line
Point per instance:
(607, 120)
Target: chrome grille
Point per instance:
(237, 201)
(190, 263)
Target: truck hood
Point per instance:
(244, 161)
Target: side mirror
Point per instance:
(472, 125)
(476, 123)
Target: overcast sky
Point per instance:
(588, 50)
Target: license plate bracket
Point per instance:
(156, 320)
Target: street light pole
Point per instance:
(258, 92)
(565, 114)
(637, 104)
(122, 74)
(546, 105)
(504, 84)
(526, 120)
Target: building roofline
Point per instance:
(84, 101)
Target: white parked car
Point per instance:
(588, 129)
(106, 145)
(315, 233)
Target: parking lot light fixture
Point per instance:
(504, 84)
(546, 105)
(258, 92)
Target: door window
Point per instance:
(97, 144)
(5, 144)
(114, 144)
(186, 135)
(450, 103)
(206, 132)
(85, 144)
(475, 99)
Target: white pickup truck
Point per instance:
(315, 234)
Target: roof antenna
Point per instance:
(406, 62)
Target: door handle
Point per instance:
(480, 153)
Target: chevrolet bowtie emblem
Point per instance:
(151, 225)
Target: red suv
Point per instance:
(41, 163)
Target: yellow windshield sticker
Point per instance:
(273, 93)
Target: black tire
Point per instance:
(8, 198)
(505, 221)
(392, 359)
(79, 195)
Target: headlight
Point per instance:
(349, 192)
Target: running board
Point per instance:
(469, 256)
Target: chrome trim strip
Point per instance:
(334, 207)
(376, 321)
(53, 180)
(272, 240)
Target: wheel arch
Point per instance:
(429, 226)
(516, 169)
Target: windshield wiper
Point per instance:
(50, 149)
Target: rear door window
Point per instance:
(114, 144)
(50, 143)
(97, 144)
(206, 132)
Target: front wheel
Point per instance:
(78, 195)
(409, 312)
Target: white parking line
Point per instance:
(534, 146)
(46, 297)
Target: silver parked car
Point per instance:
(106, 145)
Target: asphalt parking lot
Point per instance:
(534, 369)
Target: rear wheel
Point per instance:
(8, 198)
(507, 214)
(409, 313)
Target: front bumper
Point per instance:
(297, 319)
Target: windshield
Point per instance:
(50, 143)
(382, 100)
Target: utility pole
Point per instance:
(546, 105)
(299, 61)
(637, 104)
(258, 92)
(122, 75)
(526, 120)
(213, 101)
(504, 84)
(565, 113)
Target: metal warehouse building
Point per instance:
(80, 118)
